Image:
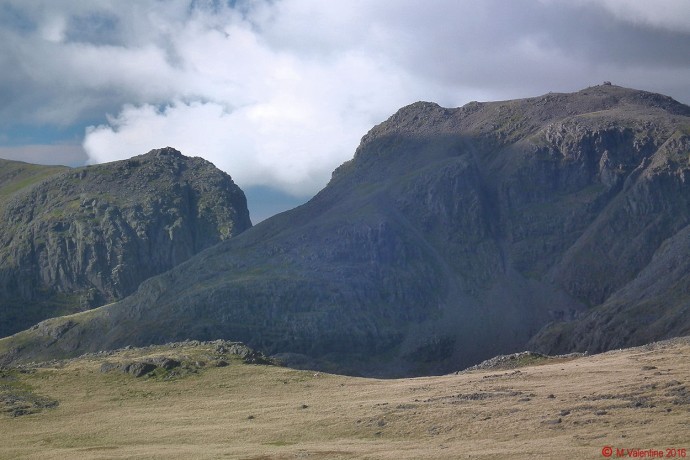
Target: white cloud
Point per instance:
(279, 92)
(266, 114)
(278, 97)
(288, 127)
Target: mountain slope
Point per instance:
(452, 235)
(72, 239)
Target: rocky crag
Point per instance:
(453, 235)
(74, 239)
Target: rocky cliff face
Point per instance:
(452, 235)
(73, 239)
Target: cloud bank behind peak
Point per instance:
(278, 93)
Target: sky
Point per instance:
(278, 93)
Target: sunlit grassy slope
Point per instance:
(568, 408)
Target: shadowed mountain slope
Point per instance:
(452, 235)
(72, 239)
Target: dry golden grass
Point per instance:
(636, 398)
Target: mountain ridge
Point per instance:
(453, 235)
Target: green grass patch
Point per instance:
(18, 175)
(18, 398)
(280, 443)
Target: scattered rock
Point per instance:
(108, 367)
(165, 363)
(138, 369)
(145, 366)
(508, 361)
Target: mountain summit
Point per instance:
(452, 235)
(74, 239)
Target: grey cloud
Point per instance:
(456, 44)
(496, 48)
(478, 44)
(97, 28)
(61, 154)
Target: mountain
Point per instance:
(73, 239)
(452, 235)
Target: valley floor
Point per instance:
(577, 408)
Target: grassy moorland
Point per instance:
(205, 408)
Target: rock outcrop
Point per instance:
(453, 235)
(74, 239)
